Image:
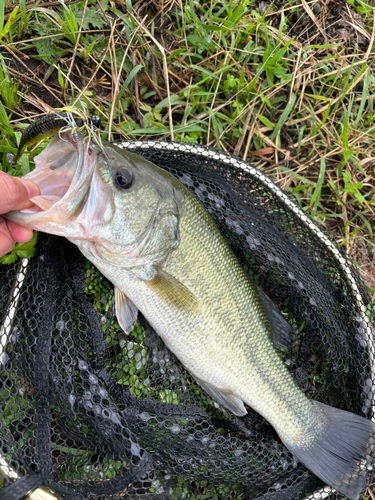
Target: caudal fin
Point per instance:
(340, 455)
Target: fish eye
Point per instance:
(123, 178)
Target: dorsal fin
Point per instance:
(282, 333)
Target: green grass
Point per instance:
(266, 86)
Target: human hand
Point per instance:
(15, 194)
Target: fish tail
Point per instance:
(339, 451)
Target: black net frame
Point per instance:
(93, 414)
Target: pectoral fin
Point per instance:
(173, 291)
(225, 397)
(126, 311)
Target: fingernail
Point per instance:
(32, 188)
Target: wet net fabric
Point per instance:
(93, 413)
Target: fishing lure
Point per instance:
(53, 124)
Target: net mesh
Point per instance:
(93, 413)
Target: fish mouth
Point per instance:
(76, 201)
(63, 171)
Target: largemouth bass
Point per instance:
(159, 247)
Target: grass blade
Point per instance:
(284, 116)
(2, 9)
(11, 19)
(364, 97)
(128, 80)
(317, 191)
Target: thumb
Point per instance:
(15, 193)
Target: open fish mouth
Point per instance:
(63, 171)
(76, 199)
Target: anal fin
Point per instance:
(225, 397)
(126, 311)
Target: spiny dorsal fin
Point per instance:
(173, 291)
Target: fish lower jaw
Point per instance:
(48, 223)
